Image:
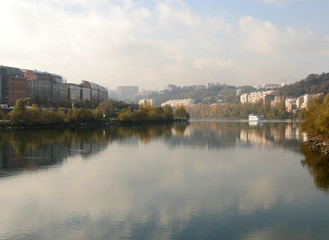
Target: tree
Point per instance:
(167, 113)
(17, 114)
(180, 112)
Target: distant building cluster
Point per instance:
(18, 83)
(127, 92)
(178, 102)
(145, 102)
(300, 102)
(272, 96)
(265, 96)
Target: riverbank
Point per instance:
(318, 144)
(8, 127)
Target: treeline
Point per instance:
(313, 84)
(106, 111)
(317, 118)
(21, 115)
(149, 113)
(241, 111)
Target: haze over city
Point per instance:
(155, 43)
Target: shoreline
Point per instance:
(8, 127)
(318, 144)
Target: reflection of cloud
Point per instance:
(156, 186)
(154, 189)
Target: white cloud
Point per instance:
(122, 43)
(281, 2)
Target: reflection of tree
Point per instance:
(37, 148)
(145, 132)
(180, 128)
(318, 165)
(32, 149)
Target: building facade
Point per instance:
(16, 89)
(74, 92)
(45, 87)
(97, 92)
(178, 102)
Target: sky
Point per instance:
(158, 42)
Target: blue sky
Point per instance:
(159, 42)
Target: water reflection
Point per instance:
(41, 148)
(218, 135)
(206, 180)
(318, 165)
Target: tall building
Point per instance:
(126, 91)
(10, 78)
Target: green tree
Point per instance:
(180, 112)
(167, 113)
(17, 114)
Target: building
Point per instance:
(44, 88)
(178, 102)
(16, 89)
(97, 92)
(11, 77)
(290, 104)
(253, 97)
(85, 93)
(145, 102)
(38, 85)
(299, 101)
(58, 87)
(126, 91)
(244, 98)
(74, 92)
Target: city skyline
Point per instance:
(155, 43)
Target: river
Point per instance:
(203, 180)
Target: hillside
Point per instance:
(313, 84)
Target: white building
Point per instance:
(179, 102)
(145, 102)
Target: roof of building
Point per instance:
(12, 72)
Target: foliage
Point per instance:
(146, 113)
(239, 111)
(180, 112)
(111, 108)
(317, 117)
(21, 115)
(313, 84)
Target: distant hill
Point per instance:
(313, 84)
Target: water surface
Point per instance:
(205, 180)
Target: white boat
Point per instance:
(255, 117)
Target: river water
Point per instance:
(204, 180)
